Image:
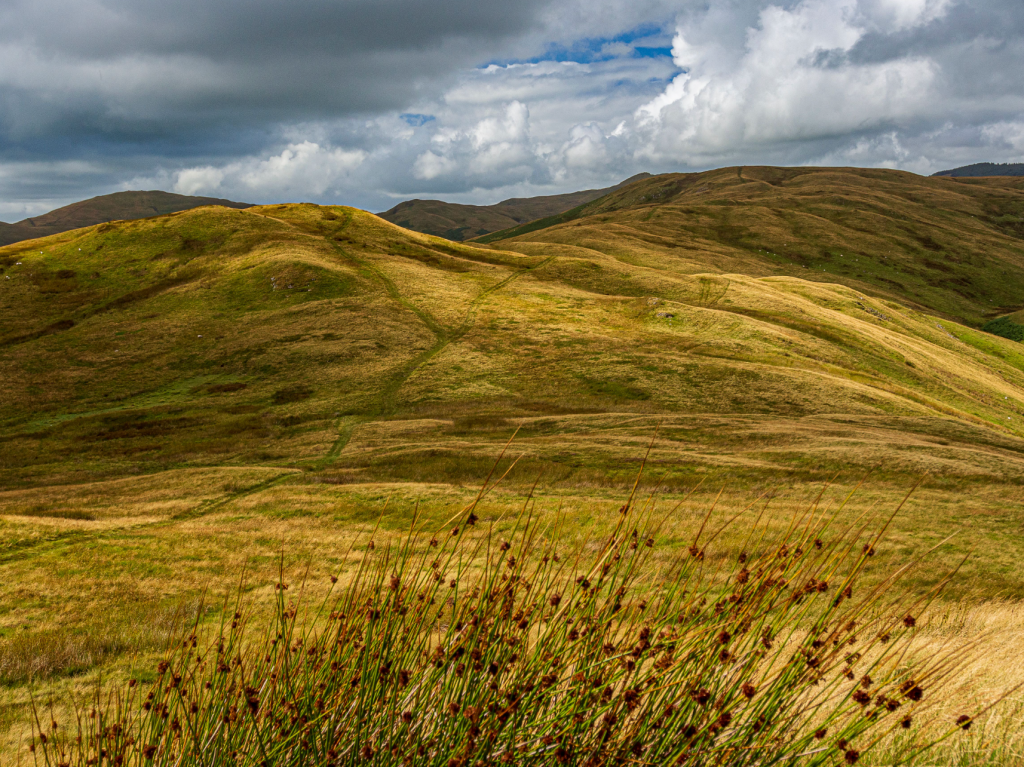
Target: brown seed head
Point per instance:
(912, 690)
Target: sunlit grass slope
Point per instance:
(185, 398)
(951, 246)
(327, 339)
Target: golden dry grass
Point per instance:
(343, 361)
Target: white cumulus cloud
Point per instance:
(790, 79)
(300, 170)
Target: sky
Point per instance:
(371, 102)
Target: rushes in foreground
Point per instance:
(459, 647)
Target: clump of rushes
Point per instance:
(466, 648)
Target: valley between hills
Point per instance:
(190, 395)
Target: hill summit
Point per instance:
(119, 206)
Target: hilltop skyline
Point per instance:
(368, 104)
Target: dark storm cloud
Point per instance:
(141, 70)
(251, 30)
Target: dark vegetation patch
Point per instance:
(429, 256)
(480, 422)
(1005, 327)
(51, 513)
(226, 388)
(295, 393)
(615, 390)
(55, 327)
(142, 294)
(928, 243)
(131, 426)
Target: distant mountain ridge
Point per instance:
(120, 206)
(462, 222)
(985, 169)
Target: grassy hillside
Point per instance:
(461, 222)
(120, 206)
(271, 336)
(187, 397)
(953, 247)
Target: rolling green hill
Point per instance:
(327, 339)
(120, 206)
(461, 222)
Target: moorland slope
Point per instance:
(954, 247)
(327, 339)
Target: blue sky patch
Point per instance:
(651, 53)
(592, 49)
(416, 120)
